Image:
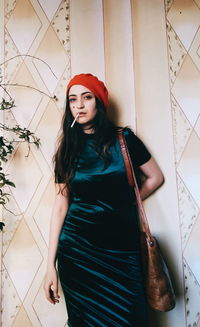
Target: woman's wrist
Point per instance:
(51, 264)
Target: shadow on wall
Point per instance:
(161, 319)
(113, 111)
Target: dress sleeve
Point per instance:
(138, 151)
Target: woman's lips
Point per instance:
(82, 114)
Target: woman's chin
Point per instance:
(85, 124)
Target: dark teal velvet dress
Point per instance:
(98, 253)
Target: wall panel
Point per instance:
(87, 50)
(166, 35)
(119, 60)
(37, 47)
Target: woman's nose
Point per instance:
(80, 104)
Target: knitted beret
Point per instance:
(93, 84)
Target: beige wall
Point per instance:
(152, 72)
(154, 124)
(119, 60)
(105, 50)
(166, 62)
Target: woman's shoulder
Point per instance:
(137, 148)
(127, 131)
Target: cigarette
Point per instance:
(75, 120)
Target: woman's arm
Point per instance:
(57, 218)
(154, 178)
(59, 211)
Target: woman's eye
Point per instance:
(88, 97)
(71, 100)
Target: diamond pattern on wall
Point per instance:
(177, 53)
(62, 30)
(188, 167)
(50, 315)
(168, 4)
(186, 90)
(11, 221)
(9, 6)
(49, 7)
(192, 297)
(47, 130)
(11, 51)
(11, 121)
(181, 129)
(22, 319)
(55, 57)
(30, 30)
(192, 250)
(60, 90)
(28, 25)
(43, 212)
(26, 99)
(184, 16)
(10, 300)
(188, 211)
(22, 259)
(25, 185)
(195, 50)
(197, 127)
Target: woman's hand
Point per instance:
(51, 279)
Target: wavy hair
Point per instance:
(70, 142)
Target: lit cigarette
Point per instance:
(74, 120)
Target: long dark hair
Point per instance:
(71, 142)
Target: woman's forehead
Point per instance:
(78, 89)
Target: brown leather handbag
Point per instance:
(159, 290)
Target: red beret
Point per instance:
(93, 84)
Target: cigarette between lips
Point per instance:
(74, 120)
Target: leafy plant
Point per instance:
(6, 149)
(22, 134)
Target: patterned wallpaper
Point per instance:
(37, 68)
(183, 34)
(39, 29)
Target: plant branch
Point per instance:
(29, 87)
(6, 92)
(21, 55)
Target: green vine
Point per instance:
(7, 148)
(23, 135)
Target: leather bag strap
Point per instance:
(133, 182)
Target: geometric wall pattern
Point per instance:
(183, 34)
(37, 68)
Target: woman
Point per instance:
(94, 227)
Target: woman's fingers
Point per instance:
(55, 290)
(48, 292)
(51, 294)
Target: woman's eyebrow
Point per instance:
(70, 95)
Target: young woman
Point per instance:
(94, 225)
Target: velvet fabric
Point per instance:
(99, 262)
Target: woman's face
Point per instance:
(82, 101)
